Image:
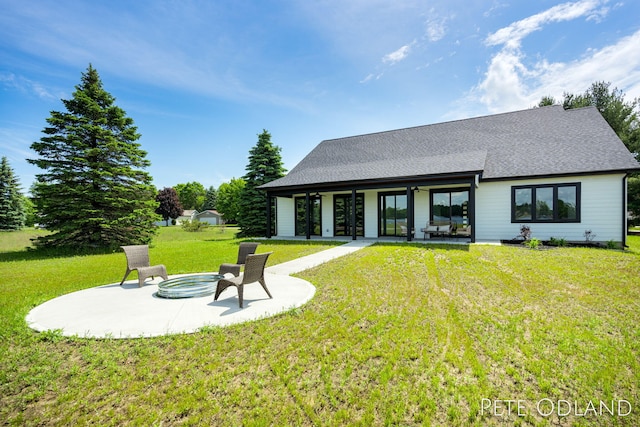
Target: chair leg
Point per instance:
(125, 276)
(221, 287)
(264, 286)
(240, 292)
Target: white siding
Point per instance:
(601, 210)
(371, 214)
(421, 211)
(326, 205)
(286, 220)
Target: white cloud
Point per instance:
(436, 27)
(27, 86)
(512, 35)
(397, 56)
(509, 84)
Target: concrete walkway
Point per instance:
(128, 311)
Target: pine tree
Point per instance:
(12, 210)
(210, 199)
(265, 165)
(170, 207)
(93, 191)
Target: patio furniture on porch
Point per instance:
(437, 229)
(463, 231)
(245, 249)
(138, 259)
(253, 272)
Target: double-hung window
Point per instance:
(546, 203)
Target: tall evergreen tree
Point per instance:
(210, 199)
(12, 209)
(265, 165)
(94, 191)
(170, 207)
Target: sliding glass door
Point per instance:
(342, 208)
(301, 216)
(393, 214)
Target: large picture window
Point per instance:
(546, 203)
(450, 206)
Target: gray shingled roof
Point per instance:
(534, 142)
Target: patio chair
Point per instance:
(253, 272)
(246, 248)
(138, 259)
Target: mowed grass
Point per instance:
(396, 335)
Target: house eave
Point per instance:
(559, 175)
(393, 182)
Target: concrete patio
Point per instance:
(128, 311)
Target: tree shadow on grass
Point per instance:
(31, 254)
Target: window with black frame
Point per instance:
(301, 216)
(546, 203)
(450, 206)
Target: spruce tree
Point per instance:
(94, 191)
(210, 199)
(265, 165)
(12, 209)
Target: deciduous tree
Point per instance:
(191, 195)
(169, 204)
(229, 194)
(94, 191)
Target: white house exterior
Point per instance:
(559, 172)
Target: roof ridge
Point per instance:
(452, 121)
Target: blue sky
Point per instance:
(201, 79)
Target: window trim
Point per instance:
(555, 187)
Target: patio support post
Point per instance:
(354, 230)
(409, 212)
(472, 209)
(268, 216)
(307, 200)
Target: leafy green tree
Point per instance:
(546, 101)
(210, 199)
(229, 194)
(169, 204)
(94, 191)
(30, 212)
(191, 195)
(265, 165)
(12, 208)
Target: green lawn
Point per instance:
(396, 335)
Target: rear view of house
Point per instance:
(561, 172)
